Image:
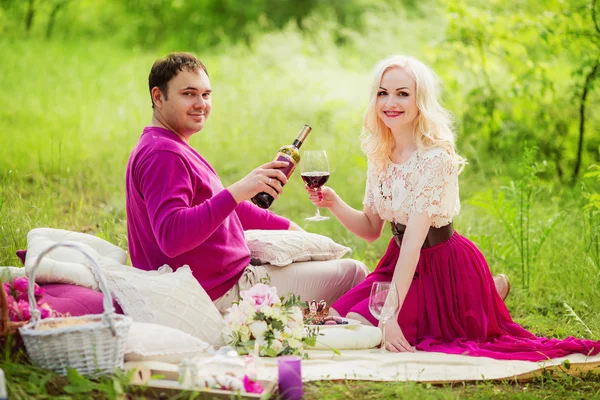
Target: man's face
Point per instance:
(187, 105)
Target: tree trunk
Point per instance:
(52, 18)
(584, 94)
(29, 16)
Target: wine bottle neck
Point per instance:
(297, 143)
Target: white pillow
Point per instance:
(152, 342)
(66, 265)
(361, 337)
(7, 274)
(281, 248)
(164, 297)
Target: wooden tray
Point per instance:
(168, 384)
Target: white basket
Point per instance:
(91, 344)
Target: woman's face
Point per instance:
(397, 99)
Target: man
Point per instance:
(179, 213)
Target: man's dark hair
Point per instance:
(165, 68)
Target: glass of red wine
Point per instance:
(315, 173)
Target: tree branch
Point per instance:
(586, 88)
(596, 25)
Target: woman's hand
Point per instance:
(324, 197)
(394, 338)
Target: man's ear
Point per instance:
(157, 96)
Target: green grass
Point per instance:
(70, 115)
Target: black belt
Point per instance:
(434, 236)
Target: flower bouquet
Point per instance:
(265, 324)
(18, 304)
(14, 309)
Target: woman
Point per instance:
(448, 300)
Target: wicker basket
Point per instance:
(91, 344)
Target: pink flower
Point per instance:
(8, 289)
(23, 310)
(45, 310)
(22, 296)
(252, 386)
(37, 290)
(21, 284)
(260, 294)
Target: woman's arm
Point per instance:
(414, 236)
(364, 224)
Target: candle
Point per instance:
(290, 377)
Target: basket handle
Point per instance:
(107, 302)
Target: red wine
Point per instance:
(315, 180)
(287, 153)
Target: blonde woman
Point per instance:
(448, 298)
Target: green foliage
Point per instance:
(512, 206)
(522, 89)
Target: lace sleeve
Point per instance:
(369, 199)
(437, 189)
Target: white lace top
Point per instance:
(426, 182)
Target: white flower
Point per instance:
(277, 345)
(298, 332)
(258, 329)
(244, 332)
(294, 343)
(229, 336)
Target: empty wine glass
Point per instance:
(315, 173)
(383, 304)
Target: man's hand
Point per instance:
(295, 227)
(324, 197)
(395, 340)
(265, 178)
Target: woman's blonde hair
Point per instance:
(433, 125)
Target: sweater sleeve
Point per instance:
(178, 226)
(253, 217)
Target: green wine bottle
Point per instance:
(289, 153)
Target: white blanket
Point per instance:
(417, 367)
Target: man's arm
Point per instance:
(178, 225)
(295, 227)
(253, 217)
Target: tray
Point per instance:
(162, 379)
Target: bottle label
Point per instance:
(289, 169)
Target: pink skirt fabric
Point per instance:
(453, 307)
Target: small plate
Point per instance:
(352, 323)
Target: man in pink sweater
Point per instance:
(179, 213)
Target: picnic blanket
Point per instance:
(400, 367)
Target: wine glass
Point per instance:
(315, 173)
(383, 304)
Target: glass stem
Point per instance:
(318, 213)
(383, 335)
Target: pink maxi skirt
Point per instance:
(453, 307)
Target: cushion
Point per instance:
(152, 342)
(164, 297)
(65, 265)
(75, 300)
(350, 338)
(281, 248)
(7, 274)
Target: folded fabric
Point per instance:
(348, 338)
(66, 265)
(75, 300)
(281, 248)
(153, 342)
(164, 297)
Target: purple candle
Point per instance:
(290, 377)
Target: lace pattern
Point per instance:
(426, 182)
